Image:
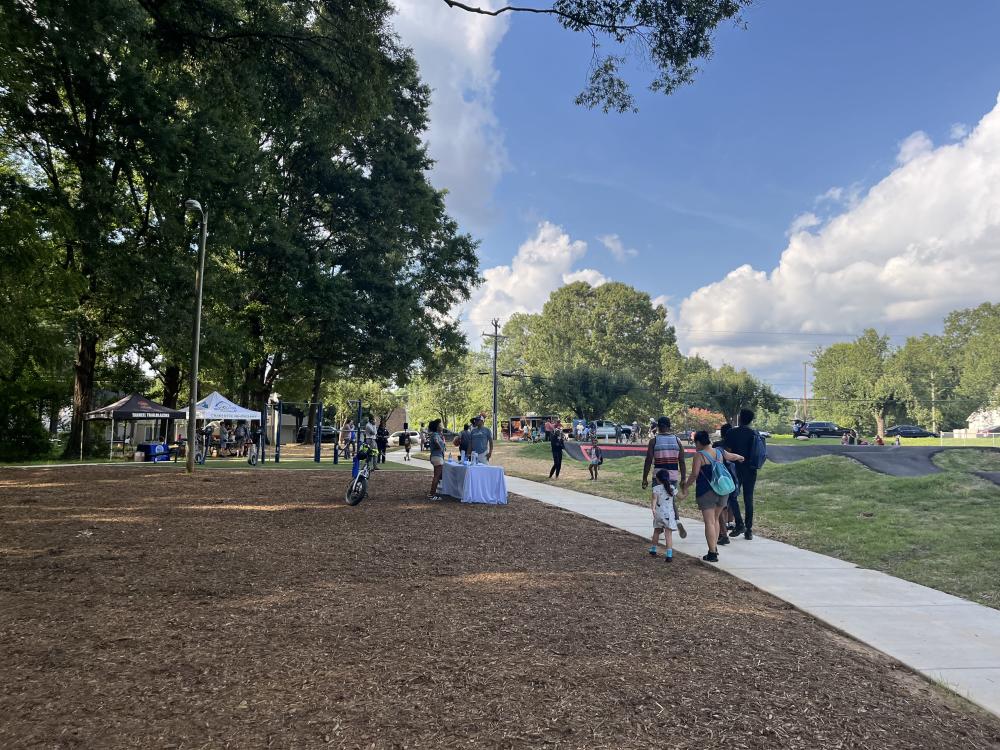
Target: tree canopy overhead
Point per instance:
(296, 123)
(669, 36)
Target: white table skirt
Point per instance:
(474, 484)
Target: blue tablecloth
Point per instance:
(474, 484)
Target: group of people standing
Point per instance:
(734, 454)
(475, 439)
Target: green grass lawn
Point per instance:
(942, 530)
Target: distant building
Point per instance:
(983, 419)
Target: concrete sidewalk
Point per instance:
(950, 640)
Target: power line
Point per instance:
(786, 333)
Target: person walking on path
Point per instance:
(740, 441)
(664, 508)
(406, 441)
(557, 442)
(481, 440)
(731, 515)
(382, 440)
(596, 458)
(710, 503)
(666, 456)
(437, 445)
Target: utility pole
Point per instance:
(805, 392)
(933, 406)
(496, 400)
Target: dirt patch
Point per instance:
(142, 608)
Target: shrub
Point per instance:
(22, 436)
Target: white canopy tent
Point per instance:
(215, 406)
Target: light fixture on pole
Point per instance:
(199, 278)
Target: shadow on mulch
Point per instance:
(249, 609)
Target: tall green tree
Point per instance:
(612, 326)
(932, 374)
(729, 390)
(297, 123)
(588, 392)
(859, 384)
(973, 339)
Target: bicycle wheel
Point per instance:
(252, 457)
(357, 490)
(199, 458)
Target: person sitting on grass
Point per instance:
(437, 455)
(596, 458)
(664, 509)
(710, 503)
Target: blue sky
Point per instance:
(810, 100)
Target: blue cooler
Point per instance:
(154, 451)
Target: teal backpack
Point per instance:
(722, 481)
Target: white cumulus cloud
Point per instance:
(590, 275)
(542, 264)
(914, 145)
(958, 131)
(617, 248)
(920, 243)
(455, 50)
(803, 222)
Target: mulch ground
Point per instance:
(143, 608)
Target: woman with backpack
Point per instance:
(713, 483)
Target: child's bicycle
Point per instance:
(357, 490)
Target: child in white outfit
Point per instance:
(664, 517)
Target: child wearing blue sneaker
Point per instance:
(664, 518)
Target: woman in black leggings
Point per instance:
(558, 440)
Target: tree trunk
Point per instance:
(83, 388)
(880, 424)
(171, 385)
(53, 417)
(314, 398)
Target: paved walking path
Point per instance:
(948, 639)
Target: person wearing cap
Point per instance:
(481, 439)
(666, 455)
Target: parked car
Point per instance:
(909, 431)
(606, 429)
(329, 434)
(989, 431)
(824, 429)
(394, 439)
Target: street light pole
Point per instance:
(199, 280)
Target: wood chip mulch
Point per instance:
(243, 609)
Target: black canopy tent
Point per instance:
(130, 409)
